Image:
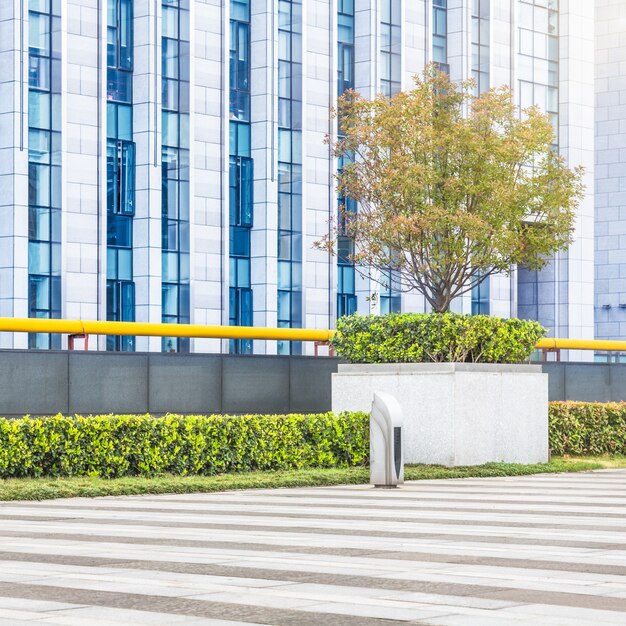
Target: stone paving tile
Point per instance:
(58, 613)
(580, 615)
(520, 550)
(98, 615)
(35, 605)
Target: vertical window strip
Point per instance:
(289, 305)
(120, 295)
(44, 168)
(538, 83)
(346, 273)
(538, 69)
(240, 174)
(175, 306)
(480, 73)
(480, 44)
(481, 298)
(390, 47)
(440, 34)
(390, 83)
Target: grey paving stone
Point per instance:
(529, 550)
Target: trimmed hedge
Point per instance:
(134, 445)
(435, 337)
(112, 446)
(587, 428)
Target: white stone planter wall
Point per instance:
(457, 413)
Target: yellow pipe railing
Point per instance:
(93, 327)
(87, 327)
(601, 345)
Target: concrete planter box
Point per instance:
(457, 413)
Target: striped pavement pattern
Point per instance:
(546, 549)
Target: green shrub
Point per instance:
(112, 446)
(141, 445)
(433, 337)
(588, 428)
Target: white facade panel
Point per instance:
(562, 296)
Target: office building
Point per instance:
(165, 161)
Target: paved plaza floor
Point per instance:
(548, 549)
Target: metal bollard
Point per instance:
(386, 458)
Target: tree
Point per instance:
(451, 187)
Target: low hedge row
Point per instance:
(584, 428)
(435, 338)
(141, 445)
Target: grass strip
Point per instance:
(49, 488)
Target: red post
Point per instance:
(70, 341)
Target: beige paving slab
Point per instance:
(475, 550)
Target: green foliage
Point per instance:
(140, 445)
(588, 427)
(175, 446)
(435, 337)
(445, 194)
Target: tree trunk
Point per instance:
(442, 302)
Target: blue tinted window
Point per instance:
(240, 171)
(39, 258)
(119, 232)
(120, 169)
(241, 179)
(39, 110)
(125, 123)
(119, 85)
(175, 168)
(44, 172)
(125, 264)
(480, 298)
(127, 178)
(121, 177)
(120, 307)
(39, 72)
(120, 34)
(39, 184)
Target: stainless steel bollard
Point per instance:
(386, 458)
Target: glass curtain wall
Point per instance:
(480, 44)
(120, 170)
(346, 288)
(390, 81)
(440, 34)
(289, 170)
(175, 170)
(44, 166)
(390, 46)
(538, 69)
(538, 72)
(240, 174)
(480, 74)
(480, 298)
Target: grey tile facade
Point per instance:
(543, 48)
(610, 189)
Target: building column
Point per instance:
(575, 314)
(459, 41)
(209, 210)
(366, 82)
(264, 128)
(147, 137)
(610, 172)
(416, 50)
(84, 163)
(319, 196)
(14, 168)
